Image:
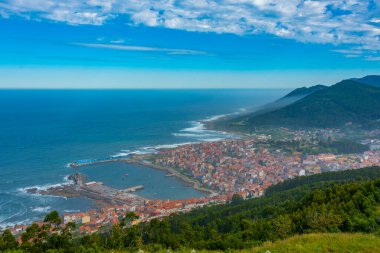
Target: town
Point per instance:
(249, 166)
(245, 167)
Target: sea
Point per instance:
(41, 131)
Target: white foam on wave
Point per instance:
(151, 149)
(72, 211)
(66, 181)
(168, 146)
(121, 154)
(190, 135)
(41, 209)
(154, 149)
(213, 139)
(20, 211)
(4, 225)
(216, 117)
(197, 126)
(197, 131)
(126, 153)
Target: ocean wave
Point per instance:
(66, 181)
(220, 116)
(4, 225)
(199, 131)
(18, 212)
(216, 117)
(126, 153)
(190, 135)
(41, 209)
(197, 126)
(213, 139)
(71, 211)
(196, 133)
(121, 154)
(155, 149)
(168, 146)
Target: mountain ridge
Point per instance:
(304, 91)
(373, 80)
(348, 102)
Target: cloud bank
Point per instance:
(351, 22)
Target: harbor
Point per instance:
(143, 160)
(97, 191)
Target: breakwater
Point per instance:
(102, 194)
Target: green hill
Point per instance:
(316, 243)
(347, 102)
(309, 243)
(288, 99)
(318, 180)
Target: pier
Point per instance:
(132, 189)
(94, 190)
(87, 162)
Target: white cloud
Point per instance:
(140, 48)
(349, 51)
(353, 22)
(372, 58)
(119, 41)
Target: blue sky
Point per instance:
(186, 44)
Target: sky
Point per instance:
(186, 44)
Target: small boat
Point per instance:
(126, 175)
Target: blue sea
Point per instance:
(41, 131)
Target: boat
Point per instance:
(126, 174)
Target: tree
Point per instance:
(130, 217)
(53, 217)
(7, 241)
(115, 238)
(282, 226)
(236, 199)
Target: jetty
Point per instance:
(132, 189)
(87, 162)
(93, 190)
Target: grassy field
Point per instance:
(311, 243)
(324, 243)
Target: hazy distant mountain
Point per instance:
(347, 102)
(304, 91)
(288, 99)
(370, 80)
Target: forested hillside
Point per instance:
(343, 104)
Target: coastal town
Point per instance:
(248, 167)
(245, 167)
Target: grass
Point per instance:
(310, 243)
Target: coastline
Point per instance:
(141, 160)
(191, 128)
(202, 126)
